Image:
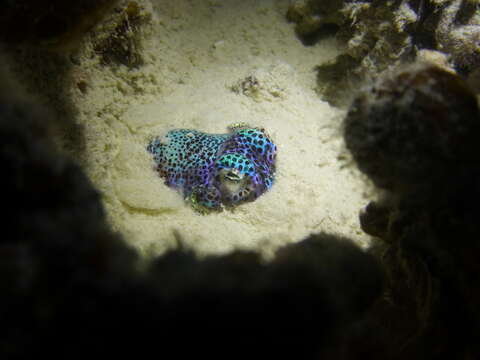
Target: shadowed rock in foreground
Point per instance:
(415, 134)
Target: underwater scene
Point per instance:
(266, 166)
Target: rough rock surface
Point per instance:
(381, 34)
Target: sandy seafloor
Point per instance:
(195, 52)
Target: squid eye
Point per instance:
(232, 176)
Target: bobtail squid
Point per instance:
(216, 170)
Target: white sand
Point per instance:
(196, 52)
